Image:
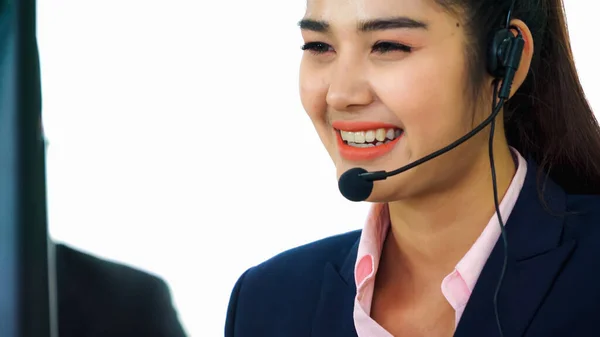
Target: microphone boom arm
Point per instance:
(382, 175)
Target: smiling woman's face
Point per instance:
(384, 83)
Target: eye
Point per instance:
(317, 47)
(386, 47)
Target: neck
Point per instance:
(429, 235)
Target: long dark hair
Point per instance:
(549, 118)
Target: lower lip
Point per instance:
(364, 153)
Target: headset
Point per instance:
(502, 61)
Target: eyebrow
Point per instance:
(399, 22)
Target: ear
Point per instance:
(526, 56)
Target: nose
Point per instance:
(349, 87)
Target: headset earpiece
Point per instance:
(498, 52)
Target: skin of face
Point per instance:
(401, 63)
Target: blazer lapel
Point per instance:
(535, 257)
(334, 316)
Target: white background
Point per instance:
(178, 144)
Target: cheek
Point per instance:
(427, 101)
(313, 94)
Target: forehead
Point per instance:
(349, 11)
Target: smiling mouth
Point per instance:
(370, 138)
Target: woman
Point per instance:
(410, 77)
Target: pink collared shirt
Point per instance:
(456, 287)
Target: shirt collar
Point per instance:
(470, 266)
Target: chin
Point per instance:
(385, 191)
(390, 189)
(404, 186)
(341, 168)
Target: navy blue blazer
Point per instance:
(551, 287)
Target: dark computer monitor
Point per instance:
(27, 288)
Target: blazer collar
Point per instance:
(536, 253)
(334, 315)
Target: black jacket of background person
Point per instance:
(97, 298)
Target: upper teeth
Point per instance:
(370, 135)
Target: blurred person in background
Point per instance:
(97, 297)
(102, 298)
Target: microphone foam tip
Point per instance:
(354, 187)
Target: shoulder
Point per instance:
(582, 223)
(291, 279)
(309, 258)
(94, 293)
(574, 268)
(588, 203)
(77, 266)
(581, 229)
(583, 213)
(305, 264)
